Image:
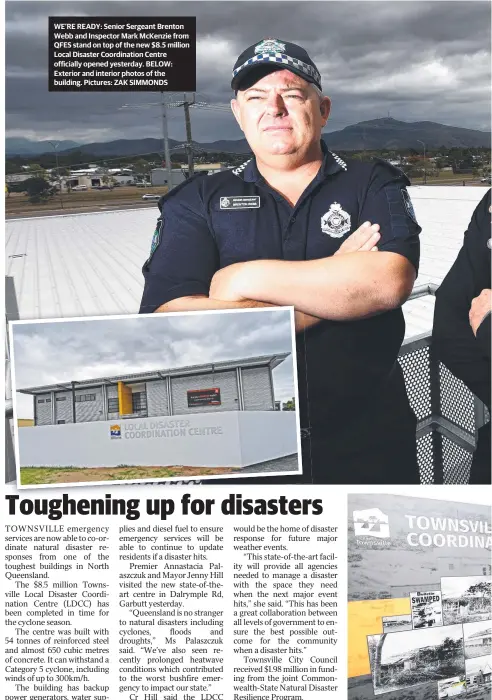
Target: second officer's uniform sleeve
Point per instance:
(184, 255)
(467, 356)
(388, 204)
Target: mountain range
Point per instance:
(375, 134)
(25, 147)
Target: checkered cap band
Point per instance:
(280, 58)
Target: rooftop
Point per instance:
(271, 361)
(90, 264)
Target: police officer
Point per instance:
(461, 334)
(285, 228)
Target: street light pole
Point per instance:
(165, 140)
(55, 146)
(189, 143)
(425, 169)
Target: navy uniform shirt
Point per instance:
(467, 356)
(345, 368)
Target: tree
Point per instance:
(449, 648)
(38, 190)
(36, 171)
(289, 405)
(377, 660)
(483, 588)
(107, 180)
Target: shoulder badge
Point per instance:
(336, 221)
(407, 203)
(156, 239)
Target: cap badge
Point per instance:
(336, 221)
(269, 46)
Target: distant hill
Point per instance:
(375, 134)
(25, 147)
(392, 134)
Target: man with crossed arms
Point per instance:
(291, 226)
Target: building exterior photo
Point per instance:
(215, 415)
(236, 385)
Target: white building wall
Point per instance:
(227, 439)
(257, 389)
(158, 176)
(43, 409)
(157, 399)
(225, 381)
(267, 435)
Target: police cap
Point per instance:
(269, 55)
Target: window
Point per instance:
(139, 401)
(40, 400)
(85, 397)
(61, 398)
(113, 405)
(48, 400)
(451, 567)
(60, 422)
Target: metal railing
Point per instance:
(448, 414)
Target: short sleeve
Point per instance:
(183, 257)
(388, 204)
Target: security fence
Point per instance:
(448, 414)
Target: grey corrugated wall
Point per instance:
(257, 389)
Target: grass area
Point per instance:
(17, 202)
(447, 177)
(64, 475)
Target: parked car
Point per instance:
(103, 187)
(487, 179)
(79, 188)
(151, 196)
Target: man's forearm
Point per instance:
(345, 287)
(203, 303)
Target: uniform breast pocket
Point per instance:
(242, 235)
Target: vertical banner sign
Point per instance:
(122, 54)
(124, 399)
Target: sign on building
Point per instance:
(203, 397)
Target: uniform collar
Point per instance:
(332, 164)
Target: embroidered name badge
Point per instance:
(336, 221)
(240, 202)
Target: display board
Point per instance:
(419, 587)
(203, 397)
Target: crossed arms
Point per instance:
(352, 284)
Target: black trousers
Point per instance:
(481, 466)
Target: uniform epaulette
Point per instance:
(389, 166)
(178, 188)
